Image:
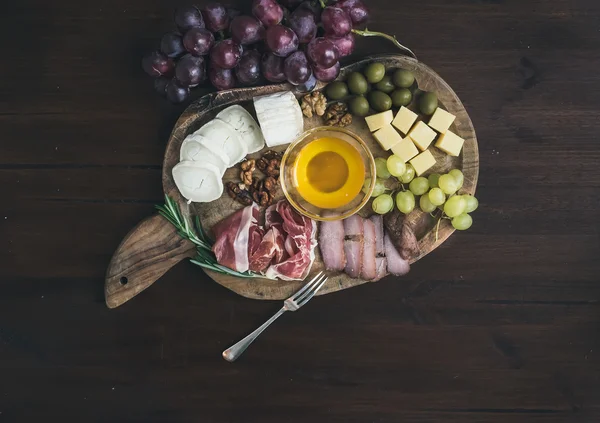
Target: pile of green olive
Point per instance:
(376, 89)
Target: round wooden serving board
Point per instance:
(153, 247)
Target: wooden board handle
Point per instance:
(145, 254)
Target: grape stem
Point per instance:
(392, 38)
(323, 4)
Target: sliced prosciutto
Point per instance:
(353, 245)
(396, 265)
(236, 236)
(331, 243)
(270, 248)
(368, 269)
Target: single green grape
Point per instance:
(396, 166)
(383, 204)
(419, 186)
(425, 204)
(408, 175)
(448, 184)
(462, 222)
(379, 187)
(472, 203)
(405, 201)
(458, 175)
(381, 167)
(433, 180)
(437, 196)
(456, 205)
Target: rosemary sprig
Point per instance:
(204, 256)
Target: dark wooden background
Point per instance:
(501, 324)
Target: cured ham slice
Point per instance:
(368, 270)
(353, 245)
(235, 236)
(270, 248)
(331, 243)
(396, 265)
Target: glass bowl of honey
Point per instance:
(328, 173)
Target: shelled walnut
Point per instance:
(269, 163)
(313, 102)
(239, 192)
(248, 168)
(337, 115)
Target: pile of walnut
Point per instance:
(254, 189)
(336, 114)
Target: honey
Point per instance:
(329, 172)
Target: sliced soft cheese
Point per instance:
(245, 125)
(194, 148)
(387, 137)
(422, 135)
(405, 149)
(450, 143)
(379, 120)
(198, 182)
(423, 162)
(441, 120)
(404, 120)
(223, 136)
(280, 117)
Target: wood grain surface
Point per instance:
(500, 324)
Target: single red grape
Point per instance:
(248, 70)
(215, 16)
(175, 92)
(157, 64)
(326, 74)
(322, 52)
(188, 17)
(336, 21)
(190, 70)
(267, 11)
(281, 40)
(160, 85)
(313, 7)
(226, 54)
(302, 21)
(272, 67)
(246, 30)
(172, 45)
(296, 68)
(222, 79)
(198, 41)
(344, 45)
(356, 9)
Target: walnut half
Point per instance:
(313, 102)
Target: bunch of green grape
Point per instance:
(435, 191)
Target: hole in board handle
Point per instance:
(123, 280)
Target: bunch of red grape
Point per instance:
(299, 42)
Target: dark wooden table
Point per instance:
(501, 324)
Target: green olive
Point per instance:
(357, 83)
(380, 101)
(359, 106)
(336, 90)
(428, 102)
(385, 85)
(403, 78)
(374, 72)
(401, 97)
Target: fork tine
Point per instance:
(307, 286)
(312, 287)
(312, 293)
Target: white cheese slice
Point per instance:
(194, 148)
(198, 182)
(245, 125)
(223, 136)
(280, 117)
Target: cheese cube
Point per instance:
(379, 120)
(422, 135)
(405, 149)
(441, 120)
(423, 162)
(387, 137)
(404, 120)
(450, 143)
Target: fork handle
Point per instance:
(232, 353)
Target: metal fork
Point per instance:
(293, 303)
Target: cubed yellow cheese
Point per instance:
(379, 120)
(441, 120)
(423, 162)
(387, 137)
(450, 143)
(422, 135)
(404, 120)
(405, 149)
